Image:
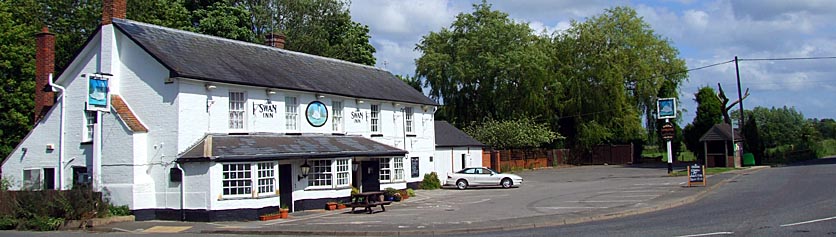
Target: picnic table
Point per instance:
(367, 200)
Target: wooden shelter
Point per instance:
(719, 151)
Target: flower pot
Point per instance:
(340, 206)
(331, 206)
(268, 217)
(283, 213)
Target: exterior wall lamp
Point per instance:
(210, 86)
(305, 168)
(355, 165)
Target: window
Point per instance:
(32, 179)
(342, 172)
(89, 122)
(266, 178)
(337, 120)
(320, 174)
(237, 179)
(408, 115)
(236, 110)
(385, 169)
(375, 119)
(398, 168)
(291, 113)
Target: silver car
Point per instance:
(481, 176)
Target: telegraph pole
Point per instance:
(740, 102)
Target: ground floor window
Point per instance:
(266, 178)
(329, 173)
(391, 169)
(342, 172)
(32, 179)
(237, 179)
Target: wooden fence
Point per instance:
(538, 158)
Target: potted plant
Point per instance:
(397, 197)
(354, 190)
(284, 211)
(404, 194)
(389, 193)
(331, 206)
(269, 216)
(410, 192)
(340, 205)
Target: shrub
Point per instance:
(7, 223)
(410, 192)
(430, 181)
(41, 223)
(123, 210)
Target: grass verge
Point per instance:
(708, 171)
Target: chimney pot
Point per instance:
(113, 9)
(44, 65)
(275, 40)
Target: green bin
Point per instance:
(748, 159)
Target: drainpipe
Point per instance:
(60, 132)
(182, 191)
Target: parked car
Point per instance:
(481, 176)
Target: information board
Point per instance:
(696, 175)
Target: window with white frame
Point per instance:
(291, 108)
(337, 116)
(236, 109)
(266, 178)
(375, 117)
(32, 179)
(342, 172)
(398, 168)
(237, 179)
(385, 169)
(320, 173)
(408, 114)
(89, 122)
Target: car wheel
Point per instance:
(507, 183)
(461, 184)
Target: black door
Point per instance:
(286, 186)
(371, 175)
(49, 178)
(464, 161)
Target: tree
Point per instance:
(517, 133)
(709, 113)
(612, 68)
(414, 82)
(17, 71)
(780, 126)
(224, 21)
(485, 65)
(753, 142)
(168, 13)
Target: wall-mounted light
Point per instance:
(396, 104)
(424, 107)
(355, 165)
(210, 86)
(270, 92)
(320, 96)
(305, 168)
(360, 102)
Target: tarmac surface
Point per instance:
(547, 197)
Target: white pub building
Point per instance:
(179, 125)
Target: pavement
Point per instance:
(548, 197)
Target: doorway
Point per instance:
(286, 186)
(49, 178)
(464, 161)
(371, 175)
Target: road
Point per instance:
(797, 200)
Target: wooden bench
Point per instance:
(368, 200)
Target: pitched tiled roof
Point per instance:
(272, 146)
(124, 112)
(721, 132)
(446, 135)
(215, 59)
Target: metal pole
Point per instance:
(670, 152)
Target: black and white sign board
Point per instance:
(696, 175)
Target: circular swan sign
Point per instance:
(316, 113)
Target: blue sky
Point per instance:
(705, 32)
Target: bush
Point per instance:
(410, 192)
(7, 223)
(430, 181)
(41, 223)
(123, 210)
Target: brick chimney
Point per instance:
(275, 40)
(44, 65)
(113, 9)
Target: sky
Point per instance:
(704, 32)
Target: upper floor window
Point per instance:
(89, 122)
(408, 114)
(291, 108)
(236, 110)
(375, 117)
(337, 116)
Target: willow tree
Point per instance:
(612, 68)
(485, 65)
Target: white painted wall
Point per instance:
(449, 159)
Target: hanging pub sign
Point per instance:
(666, 108)
(316, 113)
(668, 132)
(97, 93)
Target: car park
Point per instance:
(481, 176)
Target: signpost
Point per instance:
(696, 174)
(666, 109)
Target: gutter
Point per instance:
(60, 132)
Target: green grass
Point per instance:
(827, 148)
(655, 151)
(708, 171)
